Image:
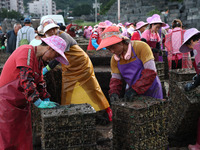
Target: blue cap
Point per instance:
(27, 20)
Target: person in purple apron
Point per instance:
(191, 43)
(151, 35)
(134, 62)
(21, 83)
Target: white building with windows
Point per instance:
(42, 7)
(16, 5)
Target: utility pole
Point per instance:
(95, 11)
(96, 6)
(118, 11)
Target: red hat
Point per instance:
(111, 35)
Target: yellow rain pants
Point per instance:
(79, 84)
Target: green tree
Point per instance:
(84, 9)
(4, 13)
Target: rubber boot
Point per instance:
(197, 145)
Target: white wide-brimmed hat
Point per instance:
(48, 24)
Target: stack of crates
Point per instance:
(141, 124)
(184, 105)
(160, 66)
(166, 66)
(179, 75)
(70, 127)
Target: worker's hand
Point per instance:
(129, 94)
(114, 97)
(45, 104)
(104, 48)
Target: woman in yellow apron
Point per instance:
(79, 84)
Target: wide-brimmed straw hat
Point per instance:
(111, 35)
(187, 35)
(155, 19)
(140, 24)
(49, 24)
(59, 45)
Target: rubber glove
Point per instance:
(46, 69)
(104, 48)
(45, 104)
(114, 97)
(94, 43)
(130, 93)
(46, 99)
(189, 86)
(3, 47)
(110, 114)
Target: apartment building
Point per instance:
(16, 5)
(42, 7)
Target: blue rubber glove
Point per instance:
(46, 69)
(46, 99)
(45, 104)
(94, 43)
(104, 48)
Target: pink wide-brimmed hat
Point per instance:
(111, 35)
(155, 19)
(187, 35)
(48, 24)
(166, 27)
(102, 25)
(59, 45)
(127, 24)
(108, 23)
(140, 24)
(120, 25)
(90, 27)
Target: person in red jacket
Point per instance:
(21, 83)
(95, 38)
(140, 28)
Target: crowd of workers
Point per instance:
(135, 48)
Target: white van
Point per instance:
(57, 18)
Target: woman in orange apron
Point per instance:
(21, 83)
